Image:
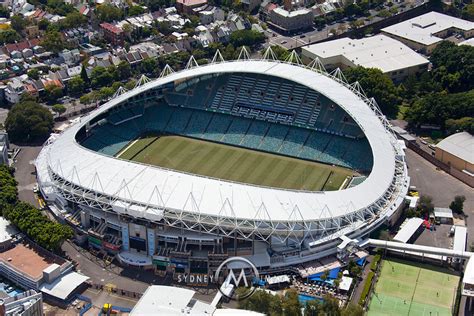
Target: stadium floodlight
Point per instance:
(244, 54)
(166, 71)
(357, 88)
(293, 58)
(191, 63)
(143, 80)
(317, 66)
(339, 75)
(269, 54)
(217, 57)
(120, 90)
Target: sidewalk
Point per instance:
(360, 286)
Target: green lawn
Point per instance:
(233, 163)
(405, 288)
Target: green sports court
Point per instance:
(407, 288)
(234, 163)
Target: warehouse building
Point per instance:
(423, 33)
(457, 151)
(382, 52)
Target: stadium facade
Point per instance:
(167, 219)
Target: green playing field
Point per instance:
(405, 288)
(234, 163)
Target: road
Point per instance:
(314, 35)
(25, 173)
(441, 186)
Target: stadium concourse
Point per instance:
(114, 175)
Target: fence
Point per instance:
(445, 167)
(116, 290)
(86, 306)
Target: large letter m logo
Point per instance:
(231, 277)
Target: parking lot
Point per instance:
(436, 238)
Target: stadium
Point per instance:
(271, 160)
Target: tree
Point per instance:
(124, 71)
(425, 204)
(100, 77)
(43, 24)
(76, 85)
(261, 302)
(53, 41)
(461, 124)
(136, 10)
(33, 73)
(453, 66)
(378, 85)
(4, 12)
(59, 109)
(9, 36)
(290, 303)
(130, 84)
(38, 227)
(85, 99)
(353, 310)
(53, 93)
(73, 20)
(246, 37)
(457, 205)
(84, 75)
(108, 13)
(105, 93)
(148, 66)
(28, 121)
(325, 275)
(313, 308)
(468, 12)
(280, 52)
(59, 7)
(437, 108)
(8, 190)
(164, 28)
(18, 23)
(331, 306)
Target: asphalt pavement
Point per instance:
(441, 186)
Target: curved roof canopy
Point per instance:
(179, 192)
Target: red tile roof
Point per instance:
(112, 28)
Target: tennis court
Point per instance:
(234, 163)
(406, 288)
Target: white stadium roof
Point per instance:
(181, 194)
(421, 29)
(380, 51)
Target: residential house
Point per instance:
(250, 5)
(32, 31)
(71, 57)
(187, 6)
(113, 34)
(291, 21)
(236, 23)
(14, 90)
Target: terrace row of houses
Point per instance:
(69, 66)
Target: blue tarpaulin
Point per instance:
(361, 261)
(333, 273)
(331, 276)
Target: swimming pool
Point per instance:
(303, 298)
